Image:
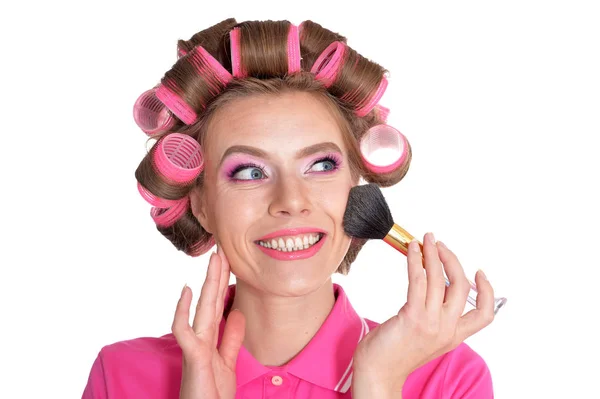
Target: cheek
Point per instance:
(334, 197)
(235, 211)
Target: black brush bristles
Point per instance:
(367, 213)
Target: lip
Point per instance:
(295, 255)
(292, 232)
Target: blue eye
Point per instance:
(247, 172)
(250, 171)
(329, 164)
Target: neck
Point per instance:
(278, 328)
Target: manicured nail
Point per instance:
(441, 244)
(415, 246)
(431, 238)
(483, 275)
(183, 289)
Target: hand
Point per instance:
(209, 372)
(428, 325)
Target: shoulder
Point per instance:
(459, 373)
(467, 374)
(141, 346)
(140, 367)
(152, 351)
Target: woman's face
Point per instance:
(274, 163)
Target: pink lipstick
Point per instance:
(293, 255)
(292, 232)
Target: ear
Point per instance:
(198, 205)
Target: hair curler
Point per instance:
(383, 149)
(151, 115)
(329, 63)
(178, 158)
(166, 217)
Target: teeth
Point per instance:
(292, 244)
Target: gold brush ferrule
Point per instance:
(399, 238)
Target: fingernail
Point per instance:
(431, 238)
(183, 289)
(415, 246)
(483, 275)
(442, 244)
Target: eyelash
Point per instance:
(333, 158)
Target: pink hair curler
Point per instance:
(153, 199)
(214, 74)
(329, 62)
(178, 158)
(206, 65)
(151, 115)
(383, 149)
(236, 65)
(166, 217)
(176, 104)
(374, 100)
(201, 247)
(293, 49)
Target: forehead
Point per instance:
(275, 123)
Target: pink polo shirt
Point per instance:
(151, 367)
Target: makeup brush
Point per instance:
(368, 216)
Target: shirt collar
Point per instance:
(326, 360)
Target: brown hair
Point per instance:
(263, 54)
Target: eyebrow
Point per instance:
(304, 152)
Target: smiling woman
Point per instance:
(276, 141)
(332, 107)
(258, 126)
(297, 175)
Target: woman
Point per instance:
(257, 152)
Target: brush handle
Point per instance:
(399, 238)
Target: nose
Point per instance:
(291, 197)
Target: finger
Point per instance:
(435, 276)
(458, 291)
(417, 281)
(204, 320)
(233, 337)
(483, 314)
(181, 322)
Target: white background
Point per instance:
(500, 102)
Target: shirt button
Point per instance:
(277, 380)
